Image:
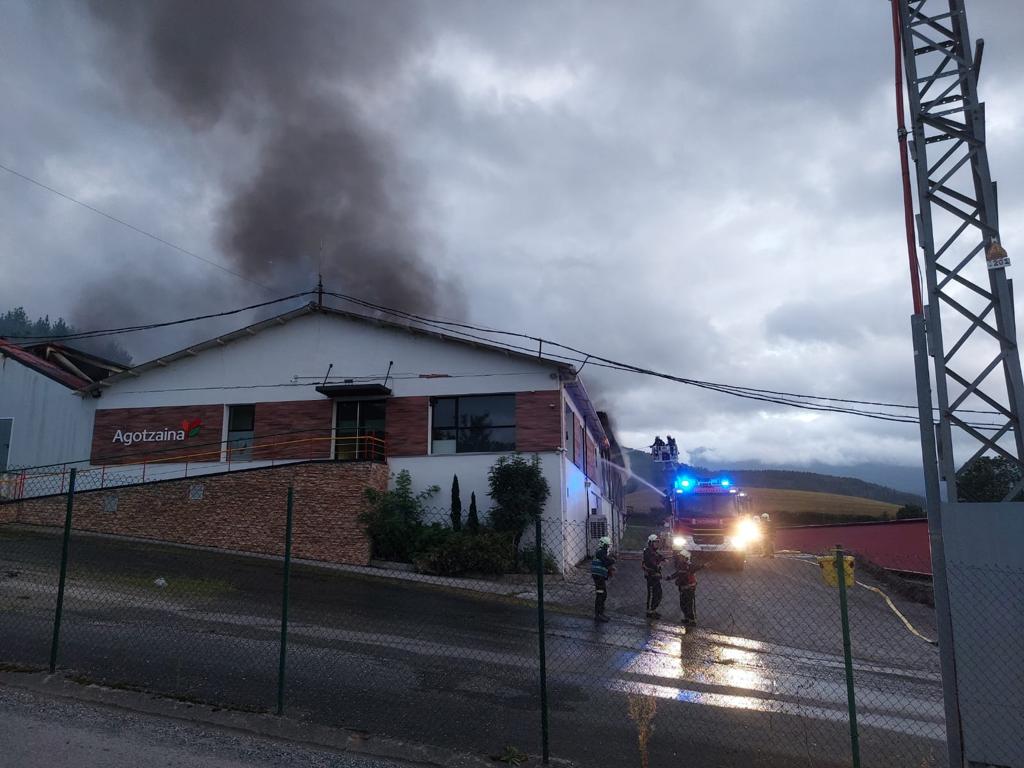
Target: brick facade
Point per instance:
(243, 510)
(406, 423)
(310, 421)
(153, 420)
(538, 421)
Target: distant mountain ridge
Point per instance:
(781, 479)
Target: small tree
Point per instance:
(473, 521)
(518, 489)
(456, 505)
(988, 478)
(394, 520)
(909, 512)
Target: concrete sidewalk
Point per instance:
(49, 722)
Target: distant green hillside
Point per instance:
(779, 479)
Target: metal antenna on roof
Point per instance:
(320, 277)
(326, 375)
(386, 375)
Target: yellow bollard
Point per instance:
(828, 569)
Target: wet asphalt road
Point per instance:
(759, 683)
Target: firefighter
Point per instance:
(656, 447)
(652, 561)
(767, 536)
(602, 568)
(685, 577)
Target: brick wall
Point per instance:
(311, 420)
(538, 421)
(132, 420)
(406, 426)
(242, 510)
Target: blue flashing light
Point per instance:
(725, 483)
(684, 484)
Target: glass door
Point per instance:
(359, 430)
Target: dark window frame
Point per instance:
(463, 437)
(239, 442)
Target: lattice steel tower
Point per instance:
(969, 333)
(978, 381)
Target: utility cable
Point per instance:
(139, 230)
(786, 398)
(151, 326)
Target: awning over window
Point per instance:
(353, 390)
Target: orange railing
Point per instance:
(220, 457)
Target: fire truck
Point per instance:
(709, 517)
(711, 520)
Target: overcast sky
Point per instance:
(710, 189)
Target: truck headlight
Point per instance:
(679, 542)
(737, 542)
(747, 532)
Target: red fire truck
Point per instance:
(711, 520)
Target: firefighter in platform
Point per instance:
(652, 561)
(685, 577)
(602, 568)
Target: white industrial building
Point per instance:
(319, 383)
(44, 418)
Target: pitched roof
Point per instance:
(310, 309)
(44, 367)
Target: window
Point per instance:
(6, 425)
(110, 503)
(196, 492)
(241, 429)
(477, 424)
(359, 430)
(570, 434)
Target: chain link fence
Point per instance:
(442, 640)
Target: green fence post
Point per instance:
(543, 653)
(851, 700)
(63, 572)
(284, 601)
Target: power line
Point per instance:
(132, 227)
(151, 326)
(776, 396)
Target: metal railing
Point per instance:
(132, 469)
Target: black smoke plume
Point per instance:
(316, 184)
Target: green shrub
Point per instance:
(473, 522)
(394, 521)
(528, 557)
(519, 491)
(455, 553)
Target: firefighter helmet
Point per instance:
(605, 541)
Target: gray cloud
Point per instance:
(705, 189)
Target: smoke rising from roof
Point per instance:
(315, 185)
